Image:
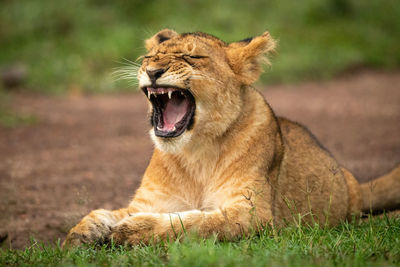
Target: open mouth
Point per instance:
(173, 110)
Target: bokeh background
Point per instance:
(75, 44)
(73, 139)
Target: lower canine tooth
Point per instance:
(158, 128)
(169, 94)
(173, 129)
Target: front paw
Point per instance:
(134, 230)
(93, 228)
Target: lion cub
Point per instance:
(223, 163)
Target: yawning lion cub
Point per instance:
(223, 163)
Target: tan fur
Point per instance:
(239, 168)
(382, 193)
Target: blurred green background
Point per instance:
(74, 45)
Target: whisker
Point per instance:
(126, 63)
(132, 62)
(125, 73)
(127, 68)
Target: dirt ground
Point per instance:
(90, 152)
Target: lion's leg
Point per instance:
(226, 223)
(94, 227)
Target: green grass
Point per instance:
(74, 45)
(372, 243)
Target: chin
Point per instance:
(171, 145)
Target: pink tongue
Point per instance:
(174, 111)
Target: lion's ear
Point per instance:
(246, 56)
(158, 38)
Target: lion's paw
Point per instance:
(93, 228)
(134, 230)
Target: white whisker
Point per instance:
(125, 73)
(128, 71)
(132, 62)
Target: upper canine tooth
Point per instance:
(169, 94)
(148, 94)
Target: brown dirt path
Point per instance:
(90, 152)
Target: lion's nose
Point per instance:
(154, 74)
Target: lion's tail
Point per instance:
(382, 193)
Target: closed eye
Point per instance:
(195, 56)
(191, 59)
